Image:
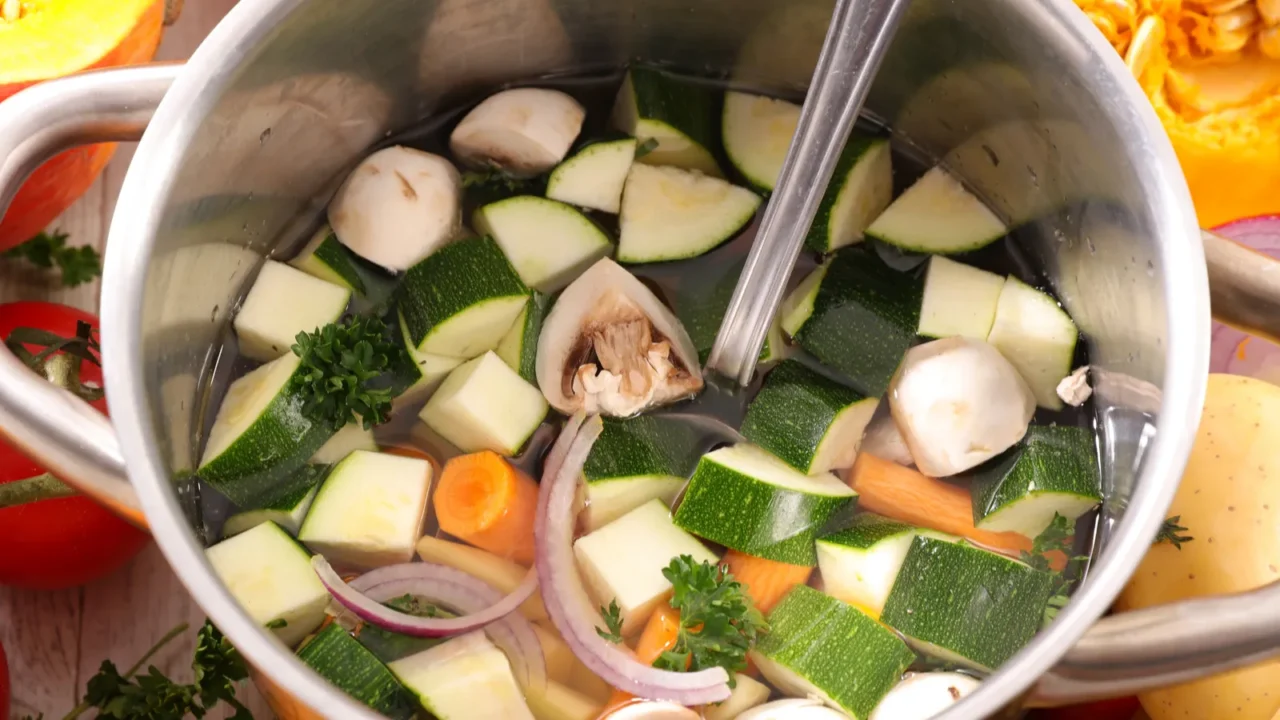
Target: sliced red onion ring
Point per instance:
(485, 607)
(568, 604)
(1233, 351)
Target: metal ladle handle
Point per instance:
(75, 441)
(857, 39)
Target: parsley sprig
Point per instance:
(718, 622)
(1056, 537)
(340, 363)
(1171, 532)
(613, 620)
(78, 265)
(153, 696)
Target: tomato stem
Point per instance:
(33, 489)
(59, 357)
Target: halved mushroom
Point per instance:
(523, 131)
(923, 695)
(610, 346)
(958, 403)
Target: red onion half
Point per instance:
(568, 604)
(485, 607)
(1234, 351)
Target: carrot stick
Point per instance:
(903, 494)
(485, 501)
(766, 581)
(659, 635)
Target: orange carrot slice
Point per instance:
(766, 581)
(659, 635)
(903, 494)
(483, 500)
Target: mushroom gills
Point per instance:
(609, 346)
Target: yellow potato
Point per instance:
(1229, 500)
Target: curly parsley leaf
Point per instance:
(718, 622)
(1171, 532)
(340, 363)
(1057, 537)
(78, 265)
(414, 605)
(613, 619)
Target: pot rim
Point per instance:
(213, 67)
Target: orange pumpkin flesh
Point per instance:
(52, 38)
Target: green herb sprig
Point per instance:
(1055, 537)
(718, 622)
(613, 620)
(340, 363)
(77, 265)
(1171, 532)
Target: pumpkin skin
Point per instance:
(128, 35)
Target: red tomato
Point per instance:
(1117, 709)
(63, 542)
(4, 685)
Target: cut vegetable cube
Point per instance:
(675, 115)
(466, 678)
(748, 500)
(818, 646)
(757, 132)
(398, 206)
(288, 510)
(623, 560)
(1037, 336)
(672, 214)
(864, 318)
(958, 300)
(938, 215)
(485, 405)
(860, 189)
(548, 243)
(636, 460)
(283, 302)
(416, 374)
(798, 305)
(966, 605)
(747, 693)
(270, 575)
(557, 702)
(519, 347)
(807, 420)
(504, 575)
(1052, 471)
(859, 564)
(522, 131)
(594, 176)
(369, 511)
(326, 258)
(260, 436)
(353, 436)
(343, 661)
(462, 300)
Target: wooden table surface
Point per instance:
(55, 641)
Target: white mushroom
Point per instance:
(610, 346)
(958, 403)
(398, 206)
(524, 131)
(884, 440)
(920, 696)
(1074, 388)
(793, 709)
(652, 710)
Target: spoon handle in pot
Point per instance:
(1139, 650)
(857, 39)
(1244, 286)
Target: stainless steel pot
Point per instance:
(1022, 98)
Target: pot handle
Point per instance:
(1130, 652)
(61, 431)
(1244, 286)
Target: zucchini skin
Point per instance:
(691, 108)
(819, 237)
(864, 318)
(971, 602)
(836, 647)
(452, 279)
(793, 412)
(343, 661)
(639, 446)
(1058, 458)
